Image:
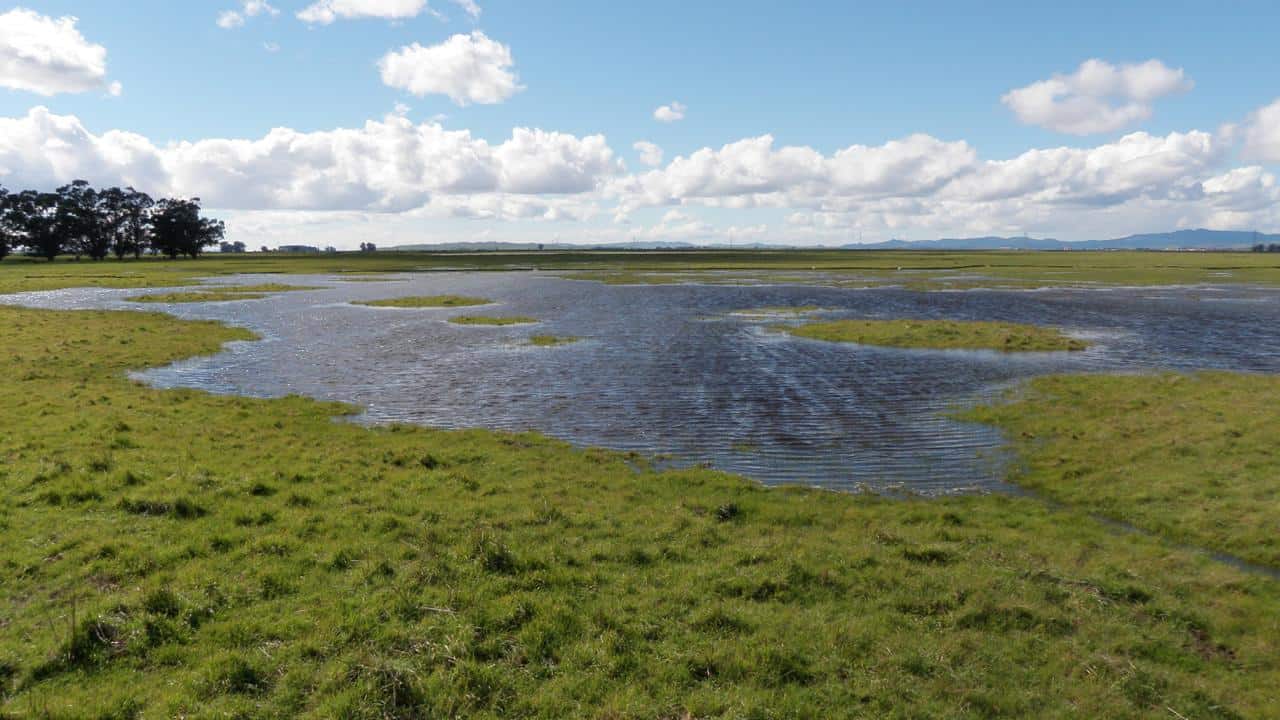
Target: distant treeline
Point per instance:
(79, 220)
(1271, 247)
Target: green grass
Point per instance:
(551, 340)
(220, 293)
(492, 320)
(774, 311)
(841, 268)
(196, 296)
(939, 334)
(173, 553)
(426, 301)
(1190, 457)
(178, 553)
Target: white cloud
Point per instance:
(1097, 98)
(917, 186)
(670, 113)
(650, 154)
(271, 47)
(1261, 134)
(325, 12)
(468, 68)
(469, 7)
(49, 56)
(231, 19)
(388, 165)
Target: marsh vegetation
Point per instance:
(939, 334)
(426, 301)
(178, 553)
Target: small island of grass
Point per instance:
(940, 334)
(196, 296)
(492, 320)
(426, 301)
(221, 293)
(551, 340)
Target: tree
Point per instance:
(178, 229)
(135, 231)
(35, 214)
(81, 220)
(8, 237)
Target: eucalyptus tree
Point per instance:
(135, 231)
(8, 236)
(35, 215)
(82, 220)
(178, 229)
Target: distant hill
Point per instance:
(1177, 240)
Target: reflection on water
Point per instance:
(672, 370)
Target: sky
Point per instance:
(337, 122)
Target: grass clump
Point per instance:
(252, 558)
(1189, 457)
(492, 320)
(939, 334)
(551, 340)
(426, 301)
(221, 293)
(196, 296)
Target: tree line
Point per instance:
(1272, 247)
(79, 220)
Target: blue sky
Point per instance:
(1174, 125)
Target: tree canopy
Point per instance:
(80, 220)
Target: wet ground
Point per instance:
(674, 371)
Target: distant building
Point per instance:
(299, 249)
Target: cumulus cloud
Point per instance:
(670, 113)
(388, 165)
(49, 56)
(231, 19)
(325, 12)
(1261, 134)
(467, 68)
(1097, 98)
(918, 186)
(469, 7)
(650, 154)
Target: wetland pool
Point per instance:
(680, 373)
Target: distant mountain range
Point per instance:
(1178, 240)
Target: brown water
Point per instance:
(670, 370)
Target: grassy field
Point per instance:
(174, 553)
(938, 334)
(915, 269)
(1194, 458)
(426, 301)
(492, 320)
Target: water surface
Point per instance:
(671, 370)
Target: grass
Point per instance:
(174, 553)
(426, 301)
(939, 334)
(1189, 457)
(220, 293)
(492, 320)
(775, 311)
(924, 270)
(195, 296)
(551, 340)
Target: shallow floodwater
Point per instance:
(672, 370)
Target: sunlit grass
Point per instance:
(492, 320)
(551, 340)
(426, 301)
(939, 334)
